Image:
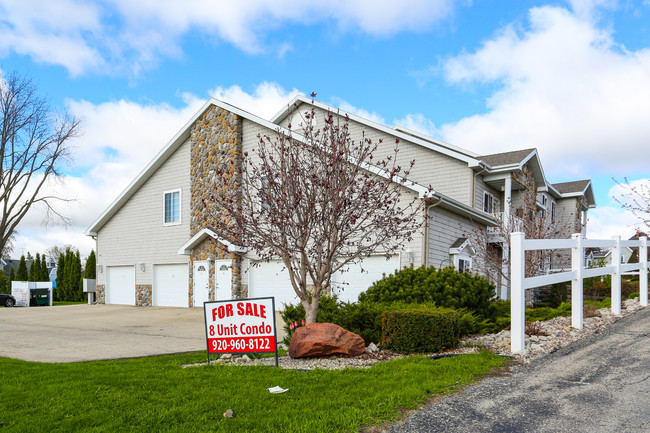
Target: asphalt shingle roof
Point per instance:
(506, 158)
(569, 187)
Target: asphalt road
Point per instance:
(599, 384)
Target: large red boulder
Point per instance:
(325, 339)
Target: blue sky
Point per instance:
(571, 78)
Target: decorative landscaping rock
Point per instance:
(325, 339)
(372, 348)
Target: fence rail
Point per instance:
(577, 245)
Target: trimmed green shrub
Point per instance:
(444, 287)
(420, 329)
(634, 295)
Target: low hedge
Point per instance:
(421, 330)
(445, 287)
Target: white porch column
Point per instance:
(583, 229)
(507, 197)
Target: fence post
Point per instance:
(517, 293)
(643, 271)
(616, 277)
(577, 265)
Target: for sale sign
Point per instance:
(240, 326)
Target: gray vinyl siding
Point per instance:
(445, 228)
(480, 187)
(250, 139)
(567, 217)
(446, 174)
(135, 234)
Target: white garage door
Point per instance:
(348, 285)
(120, 285)
(271, 279)
(171, 285)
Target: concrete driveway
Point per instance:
(91, 332)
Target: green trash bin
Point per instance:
(39, 297)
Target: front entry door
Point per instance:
(201, 284)
(223, 280)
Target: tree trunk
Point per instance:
(311, 310)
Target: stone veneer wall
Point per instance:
(143, 293)
(216, 140)
(100, 294)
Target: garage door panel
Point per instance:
(348, 285)
(120, 285)
(171, 285)
(271, 279)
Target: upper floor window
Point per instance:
(172, 207)
(552, 211)
(488, 203)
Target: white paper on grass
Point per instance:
(277, 390)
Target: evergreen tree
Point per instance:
(77, 284)
(67, 275)
(45, 275)
(29, 256)
(91, 266)
(3, 282)
(60, 272)
(35, 268)
(21, 272)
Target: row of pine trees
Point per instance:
(69, 284)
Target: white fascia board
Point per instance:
(148, 170)
(434, 140)
(463, 209)
(463, 155)
(180, 137)
(460, 249)
(195, 240)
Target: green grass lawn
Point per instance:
(157, 394)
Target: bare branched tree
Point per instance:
(34, 143)
(318, 201)
(528, 218)
(635, 198)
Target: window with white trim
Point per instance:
(464, 264)
(488, 203)
(172, 207)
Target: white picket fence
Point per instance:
(577, 244)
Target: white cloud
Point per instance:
(118, 36)
(419, 123)
(266, 100)
(361, 112)
(119, 139)
(565, 87)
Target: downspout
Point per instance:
(473, 195)
(425, 240)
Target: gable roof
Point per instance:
(188, 246)
(516, 157)
(399, 132)
(183, 134)
(577, 188)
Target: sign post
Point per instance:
(241, 326)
